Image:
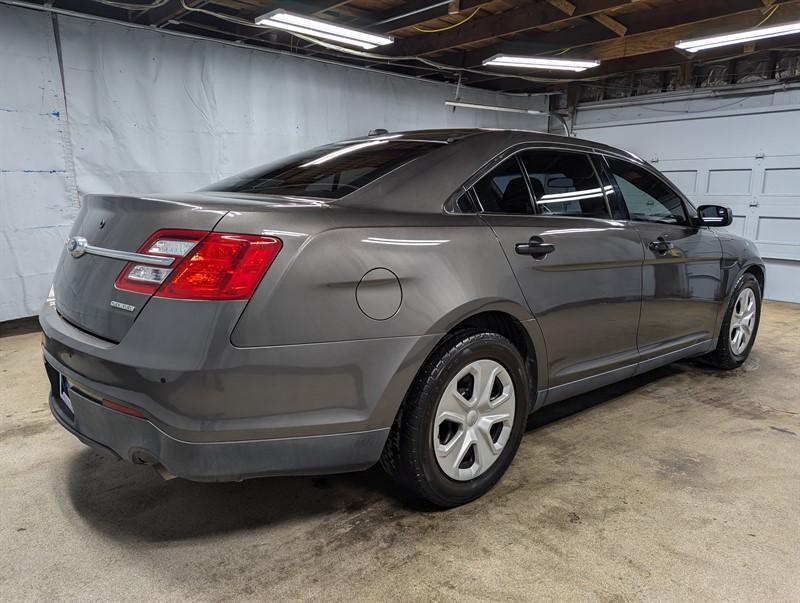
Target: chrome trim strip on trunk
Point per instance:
(153, 260)
(77, 246)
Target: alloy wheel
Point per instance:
(743, 321)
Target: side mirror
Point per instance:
(714, 215)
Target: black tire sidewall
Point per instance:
(444, 490)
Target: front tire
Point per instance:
(740, 326)
(462, 420)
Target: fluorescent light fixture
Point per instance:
(750, 35)
(281, 19)
(343, 151)
(520, 62)
(494, 108)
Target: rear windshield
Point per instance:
(328, 172)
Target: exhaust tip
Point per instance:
(163, 472)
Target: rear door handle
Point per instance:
(661, 245)
(535, 247)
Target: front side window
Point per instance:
(647, 198)
(565, 184)
(328, 172)
(504, 191)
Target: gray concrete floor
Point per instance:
(682, 484)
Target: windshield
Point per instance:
(328, 172)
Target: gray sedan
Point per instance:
(405, 298)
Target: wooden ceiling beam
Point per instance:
(565, 6)
(664, 59)
(611, 24)
(586, 37)
(654, 41)
(516, 20)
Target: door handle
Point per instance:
(535, 247)
(661, 245)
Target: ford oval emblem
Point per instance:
(77, 246)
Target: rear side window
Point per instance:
(647, 198)
(565, 184)
(504, 191)
(328, 172)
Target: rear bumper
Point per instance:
(217, 412)
(139, 441)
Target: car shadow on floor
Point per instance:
(571, 406)
(133, 504)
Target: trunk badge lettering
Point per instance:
(121, 306)
(77, 246)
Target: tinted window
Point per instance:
(647, 198)
(503, 190)
(330, 172)
(564, 184)
(464, 204)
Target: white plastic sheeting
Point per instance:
(36, 208)
(152, 112)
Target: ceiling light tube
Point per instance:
(739, 37)
(281, 19)
(522, 62)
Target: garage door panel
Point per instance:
(774, 229)
(782, 181)
(778, 213)
(729, 181)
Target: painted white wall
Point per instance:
(151, 112)
(735, 149)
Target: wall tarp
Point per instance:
(151, 112)
(36, 205)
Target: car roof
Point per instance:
(513, 136)
(423, 184)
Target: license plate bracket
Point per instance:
(63, 391)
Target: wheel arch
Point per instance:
(504, 318)
(757, 271)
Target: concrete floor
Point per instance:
(683, 484)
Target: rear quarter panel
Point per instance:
(448, 267)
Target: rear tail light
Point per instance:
(210, 266)
(222, 266)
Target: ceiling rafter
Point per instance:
(661, 60)
(587, 37)
(516, 20)
(653, 41)
(611, 24)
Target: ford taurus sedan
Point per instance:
(405, 298)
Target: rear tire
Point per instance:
(462, 420)
(740, 326)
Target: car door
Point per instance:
(579, 269)
(681, 277)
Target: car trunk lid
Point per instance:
(84, 287)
